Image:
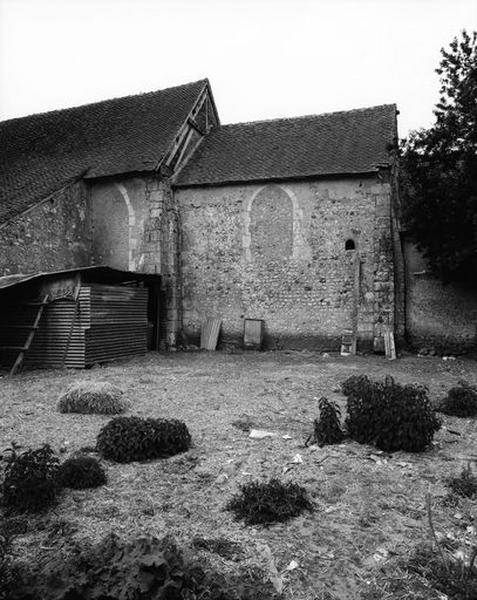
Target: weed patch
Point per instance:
(261, 503)
(144, 567)
(327, 429)
(465, 484)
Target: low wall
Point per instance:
(440, 316)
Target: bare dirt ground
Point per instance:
(369, 507)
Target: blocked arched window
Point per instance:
(271, 224)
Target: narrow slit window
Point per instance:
(350, 245)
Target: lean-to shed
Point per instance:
(77, 318)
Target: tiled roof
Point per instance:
(354, 141)
(41, 153)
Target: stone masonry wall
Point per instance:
(162, 235)
(136, 227)
(119, 211)
(277, 252)
(52, 236)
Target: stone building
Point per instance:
(293, 221)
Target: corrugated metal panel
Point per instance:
(115, 304)
(51, 340)
(118, 323)
(110, 322)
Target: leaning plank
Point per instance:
(389, 345)
(209, 335)
(41, 305)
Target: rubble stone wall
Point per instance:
(277, 252)
(51, 236)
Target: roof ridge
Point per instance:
(303, 117)
(205, 81)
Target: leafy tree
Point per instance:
(439, 170)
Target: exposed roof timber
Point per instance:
(184, 130)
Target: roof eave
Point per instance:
(306, 177)
(126, 173)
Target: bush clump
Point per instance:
(140, 568)
(93, 397)
(263, 503)
(125, 439)
(327, 428)
(389, 415)
(461, 401)
(465, 484)
(30, 483)
(357, 385)
(81, 472)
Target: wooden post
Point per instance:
(356, 293)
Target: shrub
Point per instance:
(357, 385)
(30, 483)
(273, 501)
(98, 397)
(145, 567)
(328, 427)
(461, 401)
(389, 415)
(81, 472)
(125, 439)
(465, 484)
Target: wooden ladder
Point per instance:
(22, 350)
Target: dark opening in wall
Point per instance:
(349, 245)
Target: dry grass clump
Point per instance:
(93, 397)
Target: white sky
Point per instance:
(264, 58)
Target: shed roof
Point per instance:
(347, 142)
(41, 153)
(94, 274)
